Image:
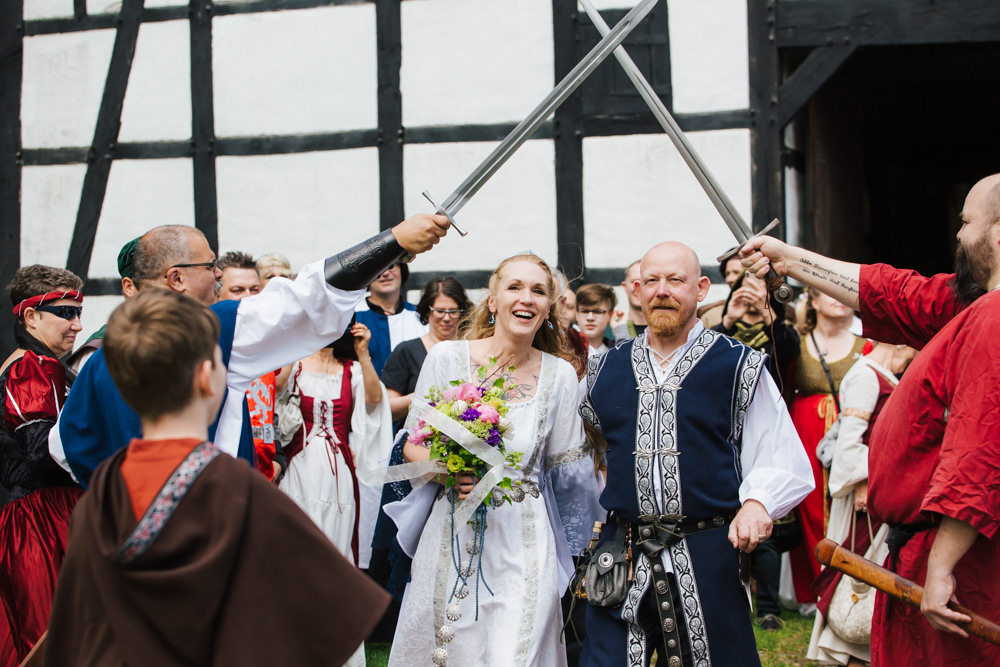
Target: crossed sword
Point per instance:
(611, 40)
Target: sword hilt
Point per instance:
(440, 210)
(782, 291)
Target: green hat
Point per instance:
(125, 256)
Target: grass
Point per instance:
(777, 648)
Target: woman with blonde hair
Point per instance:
(827, 352)
(525, 558)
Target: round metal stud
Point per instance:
(517, 494)
(462, 593)
(454, 612)
(661, 587)
(674, 661)
(664, 605)
(672, 643)
(701, 525)
(718, 521)
(440, 657)
(657, 568)
(605, 560)
(646, 532)
(445, 634)
(668, 625)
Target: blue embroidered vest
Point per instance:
(673, 448)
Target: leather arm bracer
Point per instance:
(355, 268)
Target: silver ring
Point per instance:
(762, 536)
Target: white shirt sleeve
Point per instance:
(859, 390)
(776, 470)
(287, 321)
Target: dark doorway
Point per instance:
(895, 140)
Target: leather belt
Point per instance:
(655, 534)
(900, 534)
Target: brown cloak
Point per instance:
(238, 575)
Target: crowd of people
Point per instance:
(245, 437)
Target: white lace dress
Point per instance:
(528, 543)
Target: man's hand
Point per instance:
(861, 497)
(751, 526)
(938, 590)
(763, 252)
(421, 232)
(954, 538)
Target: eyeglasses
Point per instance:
(596, 311)
(452, 312)
(65, 312)
(211, 266)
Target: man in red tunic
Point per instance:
(935, 451)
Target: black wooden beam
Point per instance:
(79, 8)
(81, 22)
(568, 135)
(95, 182)
(390, 112)
(206, 209)
(11, 58)
(766, 175)
(644, 123)
(809, 77)
(886, 22)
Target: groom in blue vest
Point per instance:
(701, 456)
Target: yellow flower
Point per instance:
(455, 463)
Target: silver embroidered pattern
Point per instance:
(694, 615)
(636, 646)
(529, 585)
(569, 456)
(594, 365)
(644, 428)
(546, 381)
(746, 383)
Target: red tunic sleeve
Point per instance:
(964, 485)
(36, 390)
(902, 306)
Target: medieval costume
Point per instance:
(167, 554)
(287, 321)
(935, 451)
(813, 412)
(338, 433)
(688, 444)
(34, 524)
(866, 387)
(528, 543)
(389, 329)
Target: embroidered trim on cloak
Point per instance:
(166, 501)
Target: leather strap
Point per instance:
(665, 609)
(355, 268)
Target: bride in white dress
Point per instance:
(526, 558)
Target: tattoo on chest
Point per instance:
(518, 389)
(829, 275)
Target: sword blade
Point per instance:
(715, 193)
(737, 225)
(527, 127)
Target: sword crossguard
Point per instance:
(782, 292)
(440, 210)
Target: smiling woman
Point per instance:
(34, 384)
(525, 551)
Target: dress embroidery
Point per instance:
(166, 501)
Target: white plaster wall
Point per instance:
(708, 55)
(474, 61)
(141, 194)
(295, 72)
(96, 311)
(63, 80)
(514, 212)
(46, 9)
(50, 197)
(638, 192)
(113, 6)
(157, 103)
(305, 206)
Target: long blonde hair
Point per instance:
(549, 338)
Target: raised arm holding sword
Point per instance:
(935, 450)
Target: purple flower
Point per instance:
(493, 437)
(470, 415)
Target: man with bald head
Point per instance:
(701, 455)
(934, 451)
(288, 321)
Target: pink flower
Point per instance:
(464, 392)
(489, 414)
(418, 436)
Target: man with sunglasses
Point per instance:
(290, 320)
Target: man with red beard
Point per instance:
(940, 426)
(698, 439)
